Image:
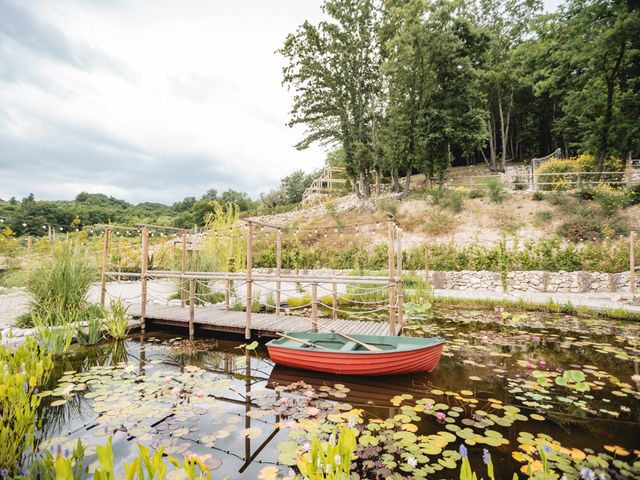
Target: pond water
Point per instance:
(505, 383)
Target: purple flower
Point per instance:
(587, 474)
(463, 451)
(486, 456)
(66, 453)
(547, 448)
(25, 387)
(58, 450)
(4, 472)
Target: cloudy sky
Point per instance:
(146, 100)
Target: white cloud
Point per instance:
(150, 100)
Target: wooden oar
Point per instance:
(288, 337)
(371, 348)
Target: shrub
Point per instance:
(495, 190)
(537, 196)
(476, 193)
(540, 219)
(453, 200)
(581, 163)
(633, 195)
(589, 228)
(609, 199)
(439, 222)
(54, 331)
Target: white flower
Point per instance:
(412, 461)
(337, 460)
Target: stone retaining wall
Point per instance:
(533, 281)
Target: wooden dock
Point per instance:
(262, 324)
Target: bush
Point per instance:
(581, 163)
(540, 219)
(453, 200)
(476, 193)
(439, 222)
(610, 200)
(590, 228)
(633, 195)
(496, 190)
(537, 196)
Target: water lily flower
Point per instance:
(313, 411)
(635, 378)
(530, 366)
(175, 391)
(587, 474)
(412, 461)
(486, 456)
(542, 363)
(284, 400)
(199, 394)
(428, 406)
(441, 416)
(463, 451)
(309, 393)
(166, 380)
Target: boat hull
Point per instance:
(359, 363)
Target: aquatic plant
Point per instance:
(22, 370)
(89, 333)
(327, 460)
(146, 466)
(54, 330)
(116, 320)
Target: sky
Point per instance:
(147, 100)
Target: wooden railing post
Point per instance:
(334, 300)
(183, 280)
(278, 269)
(227, 294)
(249, 299)
(143, 277)
(314, 307)
(105, 266)
(192, 305)
(632, 264)
(392, 290)
(399, 283)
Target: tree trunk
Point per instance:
(504, 129)
(407, 183)
(364, 186)
(492, 145)
(606, 125)
(356, 188)
(378, 181)
(394, 178)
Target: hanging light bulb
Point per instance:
(24, 224)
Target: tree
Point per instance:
(334, 70)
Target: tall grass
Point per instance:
(58, 282)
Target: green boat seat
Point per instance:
(349, 346)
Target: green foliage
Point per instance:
(116, 320)
(91, 333)
(54, 330)
(537, 196)
(24, 368)
(59, 281)
(146, 466)
(327, 461)
(495, 190)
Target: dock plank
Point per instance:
(262, 324)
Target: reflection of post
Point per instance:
(183, 280)
(399, 279)
(278, 268)
(143, 277)
(143, 356)
(392, 290)
(227, 294)
(192, 306)
(632, 264)
(247, 406)
(249, 299)
(105, 264)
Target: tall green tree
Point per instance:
(333, 68)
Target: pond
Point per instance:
(508, 383)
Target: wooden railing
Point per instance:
(331, 179)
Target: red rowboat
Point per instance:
(330, 352)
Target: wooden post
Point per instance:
(183, 280)
(278, 269)
(192, 305)
(334, 300)
(249, 301)
(392, 289)
(632, 264)
(143, 277)
(400, 291)
(629, 170)
(314, 307)
(227, 294)
(426, 264)
(105, 266)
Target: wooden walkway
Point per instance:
(262, 324)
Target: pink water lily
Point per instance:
(441, 416)
(313, 411)
(175, 391)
